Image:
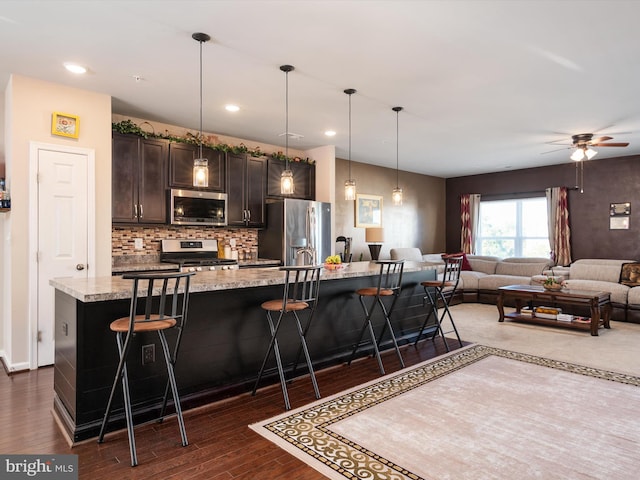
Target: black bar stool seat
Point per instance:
(168, 309)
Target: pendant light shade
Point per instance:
(200, 164)
(286, 179)
(396, 195)
(350, 183)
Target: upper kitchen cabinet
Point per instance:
(246, 188)
(138, 179)
(304, 179)
(181, 157)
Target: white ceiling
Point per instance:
(486, 85)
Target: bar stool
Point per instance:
(301, 286)
(389, 284)
(442, 291)
(160, 314)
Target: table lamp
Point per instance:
(374, 236)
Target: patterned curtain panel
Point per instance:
(559, 232)
(469, 217)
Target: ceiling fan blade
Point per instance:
(625, 144)
(600, 139)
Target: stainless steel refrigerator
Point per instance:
(298, 232)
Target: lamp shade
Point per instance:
(374, 235)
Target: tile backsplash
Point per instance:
(123, 240)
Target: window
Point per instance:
(513, 228)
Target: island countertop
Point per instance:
(98, 289)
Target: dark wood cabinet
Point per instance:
(181, 157)
(138, 181)
(304, 179)
(246, 189)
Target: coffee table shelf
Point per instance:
(599, 304)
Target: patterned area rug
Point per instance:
(479, 412)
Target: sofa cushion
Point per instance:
(409, 253)
(633, 297)
(492, 282)
(618, 292)
(597, 269)
(483, 264)
(469, 279)
(523, 269)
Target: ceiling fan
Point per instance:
(583, 142)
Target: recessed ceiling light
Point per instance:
(75, 68)
(330, 133)
(231, 108)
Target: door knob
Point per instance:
(80, 266)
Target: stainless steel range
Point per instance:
(195, 255)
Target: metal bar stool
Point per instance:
(168, 311)
(442, 291)
(301, 286)
(389, 284)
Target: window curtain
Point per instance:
(559, 232)
(469, 217)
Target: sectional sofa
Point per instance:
(487, 274)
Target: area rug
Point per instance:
(478, 412)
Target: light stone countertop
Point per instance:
(100, 289)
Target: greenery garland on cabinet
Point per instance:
(127, 126)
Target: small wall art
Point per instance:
(65, 125)
(619, 214)
(368, 210)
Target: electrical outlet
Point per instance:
(137, 244)
(148, 354)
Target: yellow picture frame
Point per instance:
(65, 125)
(368, 210)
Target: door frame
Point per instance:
(32, 298)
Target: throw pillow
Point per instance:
(465, 262)
(630, 274)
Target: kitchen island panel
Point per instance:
(225, 340)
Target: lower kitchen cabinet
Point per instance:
(246, 188)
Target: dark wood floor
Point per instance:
(221, 446)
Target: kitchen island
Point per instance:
(224, 341)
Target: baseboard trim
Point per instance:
(12, 369)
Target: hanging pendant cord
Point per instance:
(286, 122)
(349, 136)
(397, 144)
(200, 99)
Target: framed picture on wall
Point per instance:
(368, 210)
(65, 125)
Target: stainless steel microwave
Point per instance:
(192, 207)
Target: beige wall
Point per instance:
(419, 222)
(29, 104)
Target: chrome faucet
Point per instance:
(306, 251)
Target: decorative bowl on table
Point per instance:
(333, 266)
(554, 287)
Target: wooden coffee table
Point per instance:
(598, 302)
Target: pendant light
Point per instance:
(286, 179)
(396, 196)
(200, 164)
(350, 183)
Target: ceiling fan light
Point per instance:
(590, 153)
(577, 155)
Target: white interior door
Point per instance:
(62, 233)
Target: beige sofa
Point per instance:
(591, 274)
